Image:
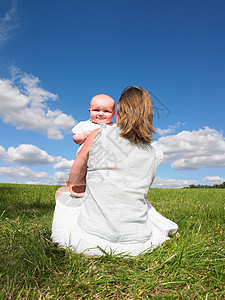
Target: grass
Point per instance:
(187, 267)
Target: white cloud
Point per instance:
(194, 150)
(2, 153)
(8, 23)
(170, 129)
(28, 155)
(172, 183)
(21, 172)
(48, 182)
(60, 177)
(63, 164)
(24, 104)
(213, 180)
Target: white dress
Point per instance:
(114, 214)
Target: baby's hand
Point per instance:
(76, 190)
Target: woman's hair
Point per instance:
(135, 115)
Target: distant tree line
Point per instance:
(215, 186)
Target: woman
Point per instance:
(117, 164)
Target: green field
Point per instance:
(191, 266)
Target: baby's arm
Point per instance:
(80, 138)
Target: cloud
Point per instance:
(192, 150)
(8, 23)
(60, 177)
(21, 172)
(170, 129)
(24, 104)
(38, 182)
(213, 180)
(63, 164)
(2, 153)
(28, 155)
(172, 183)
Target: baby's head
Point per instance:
(102, 109)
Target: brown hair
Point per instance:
(135, 115)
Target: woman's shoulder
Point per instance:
(108, 126)
(108, 136)
(106, 129)
(158, 151)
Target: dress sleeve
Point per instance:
(158, 152)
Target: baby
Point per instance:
(102, 110)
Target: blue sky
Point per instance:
(56, 55)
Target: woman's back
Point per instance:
(120, 162)
(118, 178)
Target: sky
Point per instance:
(56, 55)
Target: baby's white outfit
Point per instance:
(114, 213)
(83, 126)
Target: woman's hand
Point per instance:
(76, 190)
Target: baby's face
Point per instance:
(101, 110)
